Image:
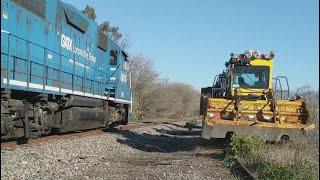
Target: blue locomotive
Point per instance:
(59, 72)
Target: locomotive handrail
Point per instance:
(277, 80)
(214, 82)
(108, 79)
(286, 79)
(39, 46)
(45, 49)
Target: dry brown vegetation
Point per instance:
(312, 102)
(293, 160)
(157, 98)
(275, 161)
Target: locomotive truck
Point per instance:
(246, 99)
(59, 72)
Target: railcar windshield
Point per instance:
(254, 77)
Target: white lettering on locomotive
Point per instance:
(67, 43)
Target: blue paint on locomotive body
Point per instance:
(56, 49)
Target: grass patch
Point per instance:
(273, 171)
(273, 161)
(229, 161)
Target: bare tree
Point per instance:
(158, 98)
(112, 31)
(90, 12)
(178, 100)
(144, 86)
(125, 42)
(115, 34)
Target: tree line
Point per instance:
(153, 97)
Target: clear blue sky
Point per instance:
(190, 40)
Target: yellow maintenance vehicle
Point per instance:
(246, 99)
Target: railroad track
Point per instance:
(239, 170)
(145, 124)
(10, 145)
(242, 172)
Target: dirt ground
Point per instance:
(174, 154)
(165, 151)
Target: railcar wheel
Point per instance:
(228, 141)
(228, 137)
(284, 139)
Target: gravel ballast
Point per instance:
(166, 151)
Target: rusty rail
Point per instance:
(243, 172)
(10, 145)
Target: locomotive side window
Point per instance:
(35, 6)
(60, 14)
(103, 41)
(113, 58)
(126, 62)
(126, 65)
(75, 20)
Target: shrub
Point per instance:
(305, 171)
(229, 161)
(241, 145)
(273, 171)
(288, 161)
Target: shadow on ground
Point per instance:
(171, 139)
(180, 126)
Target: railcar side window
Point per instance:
(35, 6)
(113, 58)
